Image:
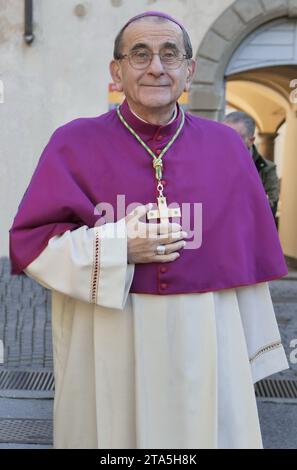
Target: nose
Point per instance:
(156, 66)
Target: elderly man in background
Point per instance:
(245, 126)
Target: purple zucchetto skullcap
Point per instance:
(153, 13)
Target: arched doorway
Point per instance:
(249, 59)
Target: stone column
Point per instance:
(288, 196)
(266, 145)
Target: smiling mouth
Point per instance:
(156, 86)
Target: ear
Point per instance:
(116, 74)
(191, 69)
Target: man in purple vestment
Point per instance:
(158, 323)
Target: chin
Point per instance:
(156, 102)
(155, 98)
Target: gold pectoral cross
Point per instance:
(163, 212)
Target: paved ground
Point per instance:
(278, 424)
(26, 423)
(25, 324)
(25, 334)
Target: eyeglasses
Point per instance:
(140, 59)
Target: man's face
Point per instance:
(241, 129)
(155, 86)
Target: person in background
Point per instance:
(245, 126)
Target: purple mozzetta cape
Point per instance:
(92, 160)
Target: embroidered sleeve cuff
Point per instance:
(65, 263)
(112, 275)
(89, 264)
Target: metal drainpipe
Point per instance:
(28, 23)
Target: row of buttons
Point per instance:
(163, 285)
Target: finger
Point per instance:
(172, 237)
(164, 228)
(139, 211)
(173, 247)
(166, 258)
